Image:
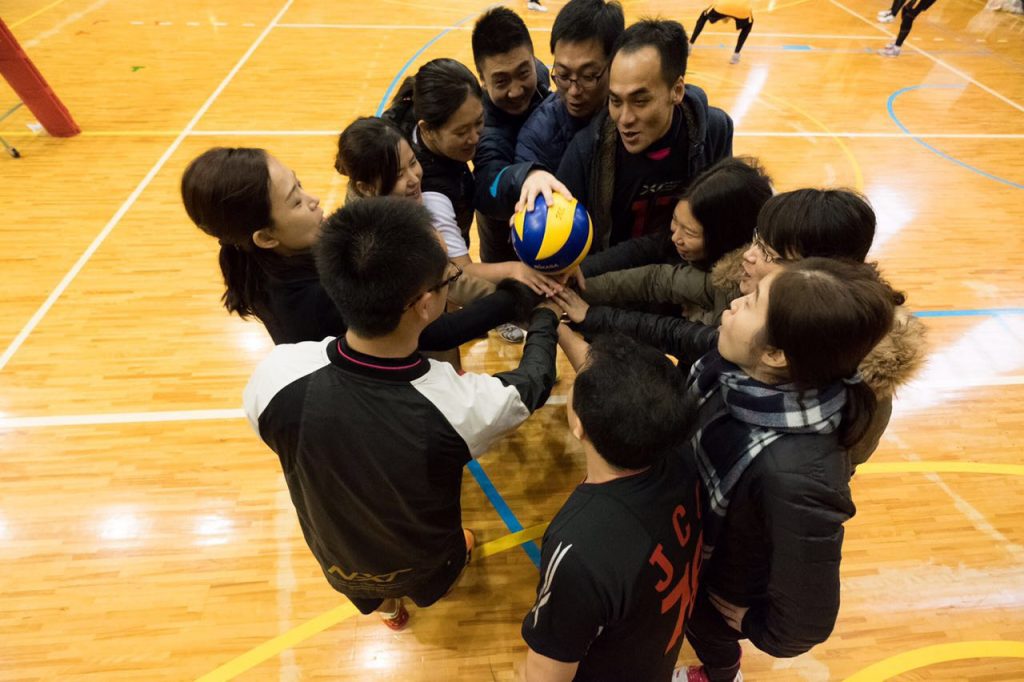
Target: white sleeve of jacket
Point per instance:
(285, 364)
(443, 213)
(479, 407)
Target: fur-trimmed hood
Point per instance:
(728, 271)
(897, 357)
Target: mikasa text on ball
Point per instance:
(552, 239)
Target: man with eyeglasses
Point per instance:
(631, 163)
(581, 42)
(371, 435)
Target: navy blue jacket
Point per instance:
(499, 180)
(588, 166)
(546, 135)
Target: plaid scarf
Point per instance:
(739, 417)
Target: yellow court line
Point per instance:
(301, 633)
(35, 14)
(918, 658)
(939, 653)
(941, 468)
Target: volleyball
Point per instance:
(552, 239)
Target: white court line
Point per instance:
(237, 413)
(540, 29)
(738, 133)
(938, 61)
(132, 198)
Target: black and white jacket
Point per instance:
(372, 449)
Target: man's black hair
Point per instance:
(631, 402)
(582, 20)
(375, 256)
(497, 31)
(666, 36)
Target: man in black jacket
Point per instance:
(372, 437)
(515, 83)
(630, 164)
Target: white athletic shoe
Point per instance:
(510, 333)
(890, 50)
(735, 58)
(886, 18)
(536, 6)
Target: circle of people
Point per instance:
(716, 486)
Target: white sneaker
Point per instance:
(735, 58)
(890, 50)
(536, 6)
(886, 18)
(510, 333)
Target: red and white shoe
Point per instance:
(696, 673)
(397, 620)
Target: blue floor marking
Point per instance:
(482, 479)
(892, 114)
(511, 522)
(394, 83)
(979, 312)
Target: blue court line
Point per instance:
(482, 479)
(892, 114)
(979, 312)
(394, 83)
(511, 522)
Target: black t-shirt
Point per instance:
(648, 184)
(619, 574)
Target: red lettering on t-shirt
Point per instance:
(682, 595)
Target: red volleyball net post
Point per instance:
(26, 81)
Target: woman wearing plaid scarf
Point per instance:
(779, 401)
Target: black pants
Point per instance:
(910, 12)
(716, 644)
(742, 25)
(435, 585)
(495, 239)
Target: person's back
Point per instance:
(620, 560)
(372, 436)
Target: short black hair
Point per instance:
(374, 257)
(631, 401)
(666, 36)
(582, 20)
(497, 31)
(830, 223)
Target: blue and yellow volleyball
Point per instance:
(553, 239)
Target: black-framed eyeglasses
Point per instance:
(766, 251)
(450, 279)
(585, 81)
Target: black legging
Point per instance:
(714, 641)
(910, 12)
(742, 25)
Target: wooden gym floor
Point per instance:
(146, 533)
